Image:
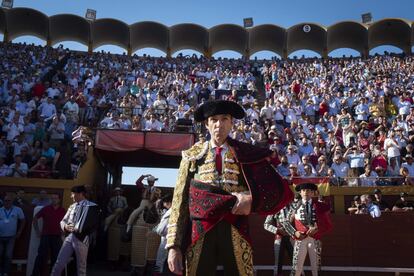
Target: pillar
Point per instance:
(6, 37)
(207, 52)
(90, 47)
(365, 53)
(325, 53)
(284, 54)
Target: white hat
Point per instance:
(152, 178)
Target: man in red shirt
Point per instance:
(51, 235)
(38, 90)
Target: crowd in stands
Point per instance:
(37, 114)
(349, 119)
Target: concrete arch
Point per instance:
(228, 37)
(314, 40)
(347, 34)
(267, 37)
(25, 21)
(188, 36)
(3, 22)
(149, 34)
(392, 31)
(69, 27)
(110, 31)
(412, 34)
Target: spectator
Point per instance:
(403, 205)
(367, 207)
(355, 205)
(368, 178)
(4, 169)
(161, 230)
(322, 167)
(116, 205)
(56, 132)
(406, 178)
(153, 124)
(392, 147)
(284, 168)
(339, 167)
(50, 234)
(12, 223)
(41, 169)
(382, 204)
(48, 152)
(18, 168)
(409, 165)
(42, 200)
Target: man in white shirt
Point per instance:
(368, 178)
(369, 207)
(13, 129)
(153, 124)
(71, 107)
(340, 168)
(18, 168)
(53, 91)
(47, 109)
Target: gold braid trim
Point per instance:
(243, 253)
(193, 257)
(179, 209)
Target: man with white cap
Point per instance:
(149, 195)
(116, 205)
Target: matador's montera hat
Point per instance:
(212, 108)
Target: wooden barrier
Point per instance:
(356, 241)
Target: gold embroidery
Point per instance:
(206, 172)
(193, 257)
(179, 209)
(243, 253)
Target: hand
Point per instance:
(312, 231)
(69, 228)
(300, 235)
(243, 204)
(175, 261)
(18, 234)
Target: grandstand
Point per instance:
(346, 124)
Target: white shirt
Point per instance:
(13, 130)
(47, 110)
(392, 148)
(71, 107)
(153, 125)
(341, 170)
(368, 181)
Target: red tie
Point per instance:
(219, 161)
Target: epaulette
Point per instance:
(196, 152)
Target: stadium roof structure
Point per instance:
(311, 36)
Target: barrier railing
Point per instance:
(350, 181)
